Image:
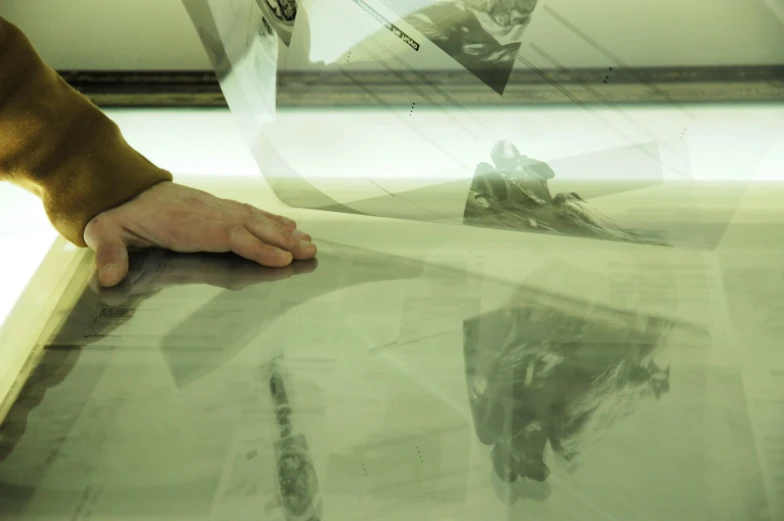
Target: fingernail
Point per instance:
(287, 222)
(298, 233)
(305, 244)
(107, 273)
(109, 268)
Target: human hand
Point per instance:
(186, 220)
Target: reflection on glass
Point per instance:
(537, 376)
(207, 387)
(298, 487)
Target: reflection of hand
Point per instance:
(55, 365)
(183, 219)
(155, 270)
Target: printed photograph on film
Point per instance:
(281, 14)
(511, 192)
(507, 178)
(484, 36)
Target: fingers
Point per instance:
(253, 213)
(283, 221)
(291, 240)
(244, 243)
(111, 259)
(270, 238)
(111, 252)
(273, 229)
(221, 237)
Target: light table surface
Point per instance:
(636, 382)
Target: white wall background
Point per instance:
(109, 34)
(157, 34)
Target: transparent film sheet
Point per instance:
(603, 172)
(242, 40)
(366, 386)
(755, 299)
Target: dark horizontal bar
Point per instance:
(526, 87)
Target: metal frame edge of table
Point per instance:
(330, 89)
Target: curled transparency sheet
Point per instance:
(408, 150)
(242, 40)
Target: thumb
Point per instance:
(111, 260)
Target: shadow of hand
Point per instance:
(153, 270)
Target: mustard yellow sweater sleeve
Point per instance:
(58, 145)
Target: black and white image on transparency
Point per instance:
(512, 193)
(251, 45)
(484, 36)
(243, 48)
(282, 14)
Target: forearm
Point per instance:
(58, 145)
